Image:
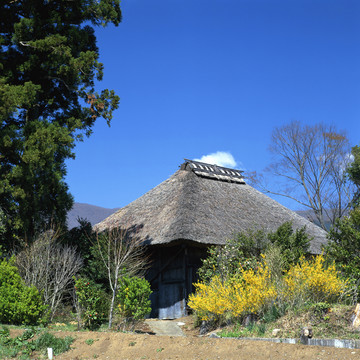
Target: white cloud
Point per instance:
(220, 158)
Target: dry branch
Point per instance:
(50, 267)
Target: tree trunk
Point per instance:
(113, 300)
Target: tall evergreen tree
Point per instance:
(354, 173)
(48, 67)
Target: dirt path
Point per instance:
(121, 346)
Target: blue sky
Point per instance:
(196, 77)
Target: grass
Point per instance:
(30, 341)
(47, 340)
(89, 341)
(251, 330)
(335, 322)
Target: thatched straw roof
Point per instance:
(198, 206)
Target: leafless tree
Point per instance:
(121, 250)
(50, 267)
(310, 163)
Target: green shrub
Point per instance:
(321, 309)
(47, 340)
(92, 301)
(133, 297)
(24, 345)
(19, 304)
(241, 252)
(244, 249)
(272, 314)
(344, 248)
(293, 244)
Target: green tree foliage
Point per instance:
(244, 249)
(19, 304)
(292, 244)
(48, 68)
(2, 225)
(354, 172)
(91, 247)
(344, 246)
(241, 251)
(133, 297)
(83, 239)
(92, 303)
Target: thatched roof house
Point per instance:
(198, 206)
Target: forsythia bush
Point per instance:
(252, 291)
(249, 292)
(245, 249)
(310, 280)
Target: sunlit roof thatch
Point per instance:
(205, 209)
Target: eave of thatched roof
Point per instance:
(207, 211)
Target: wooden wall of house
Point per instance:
(172, 274)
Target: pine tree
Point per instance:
(48, 67)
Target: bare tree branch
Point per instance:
(121, 250)
(50, 267)
(310, 163)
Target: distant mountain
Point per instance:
(309, 214)
(95, 214)
(92, 213)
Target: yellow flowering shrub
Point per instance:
(252, 291)
(210, 299)
(311, 280)
(246, 293)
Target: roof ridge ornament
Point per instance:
(213, 171)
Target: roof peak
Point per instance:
(213, 171)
